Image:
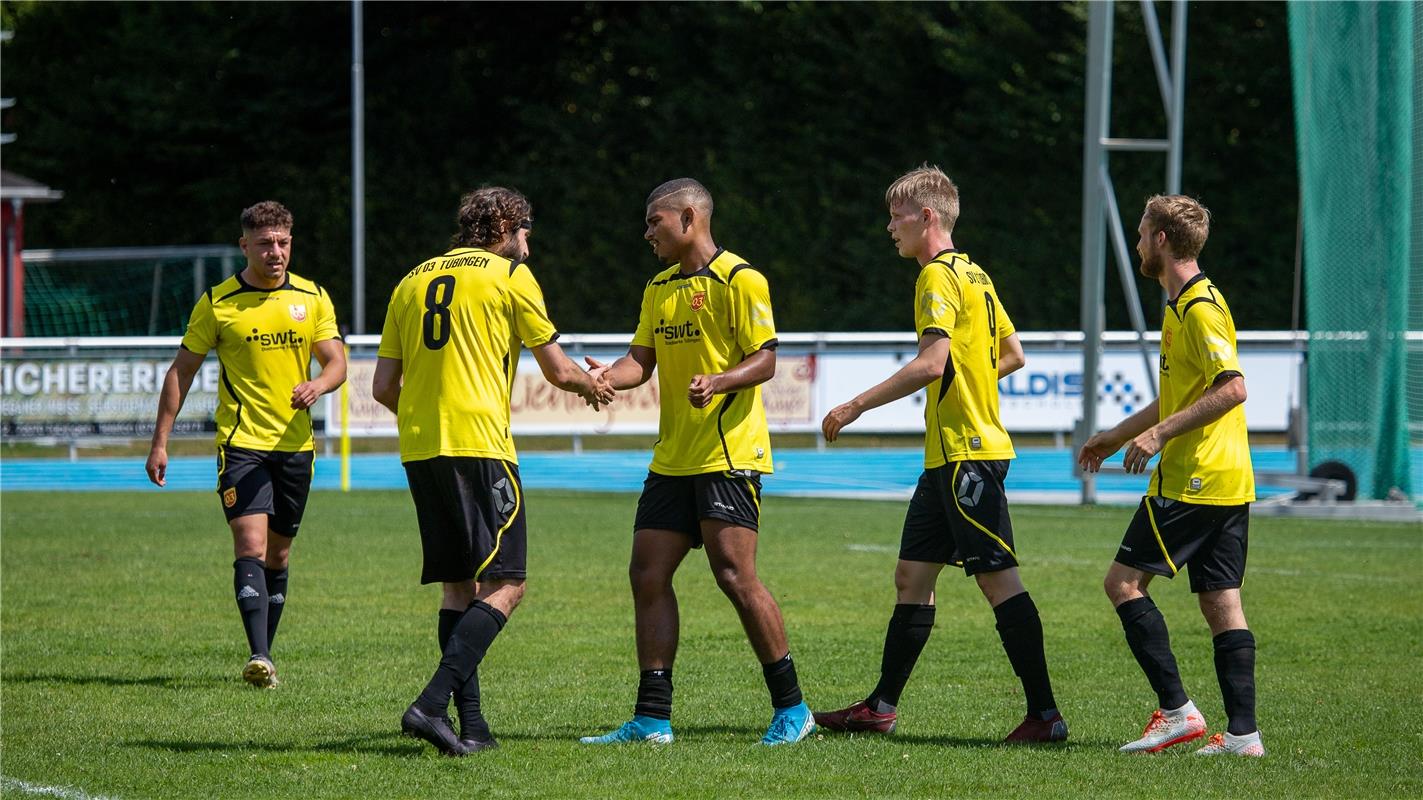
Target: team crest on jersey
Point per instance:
(229, 497)
(298, 312)
(699, 301)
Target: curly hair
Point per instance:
(488, 213)
(928, 187)
(266, 214)
(1185, 221)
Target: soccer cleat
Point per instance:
(1169, 728)
(858, 718)
(637, 729)
(436, 730)
(1230, 744)
(260, 672)
(1039, 731)
(476, 745)
(789, 725)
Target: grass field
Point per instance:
(122, 648)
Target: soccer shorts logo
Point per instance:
(229, 497)
(970, 489)
(503, 496)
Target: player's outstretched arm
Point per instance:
(559, 370)
(170, 401)
(754, 370)
(920, 371)
(385, 385)
(1103, 444)
(633, 369)
(331, 355)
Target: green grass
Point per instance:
(122, 648)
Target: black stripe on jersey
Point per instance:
(939, 331)
(1199, 276)
(513, 265)
(704, 272)
(945, 381)
(735, 270)
(721, 434)
(237, 421)
(771, 344)
(244, 286)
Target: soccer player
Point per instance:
(452, 332)
(266, 324)
(706, 326)
(959, 513)
(1197, 509)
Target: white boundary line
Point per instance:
(63, 792)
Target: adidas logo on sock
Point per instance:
(277, 599)
(246, 592)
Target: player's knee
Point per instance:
(646, 579)
(1119, 591)
(739, 585)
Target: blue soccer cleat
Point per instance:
(789, 725)
(637, 729)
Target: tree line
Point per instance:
(161, 121)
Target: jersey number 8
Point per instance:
(435, 325)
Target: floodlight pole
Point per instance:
(1100, 213)
(1094, 160)
(358, 173)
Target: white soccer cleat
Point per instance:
(1167, 728)
(1223, 744)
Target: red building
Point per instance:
(15, 192)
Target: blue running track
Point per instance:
(1038, 474)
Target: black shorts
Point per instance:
(471, 513)
(959, 516)
(1167, 534)
(681, 502)
(265, 482)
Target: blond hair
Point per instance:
(1184, 220)
(927, 187)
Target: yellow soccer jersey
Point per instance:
(1209, 465)
(263, 339)
(955, 297)
(456, 323)
(703, 324)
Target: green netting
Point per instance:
(133, 297)
(1354, 85)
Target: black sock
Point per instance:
(909, 629)
(250, 586)
(468, 643)
(1235, 669)
(781, 680)
(449, 618)
(1021, 631)
(1151, 644)
(276, 600)
(654, 694)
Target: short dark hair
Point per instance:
(266, 214)
(686, 191)
(489, 212)
(1185, 221)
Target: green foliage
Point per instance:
(123, 650)
(161, 121)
